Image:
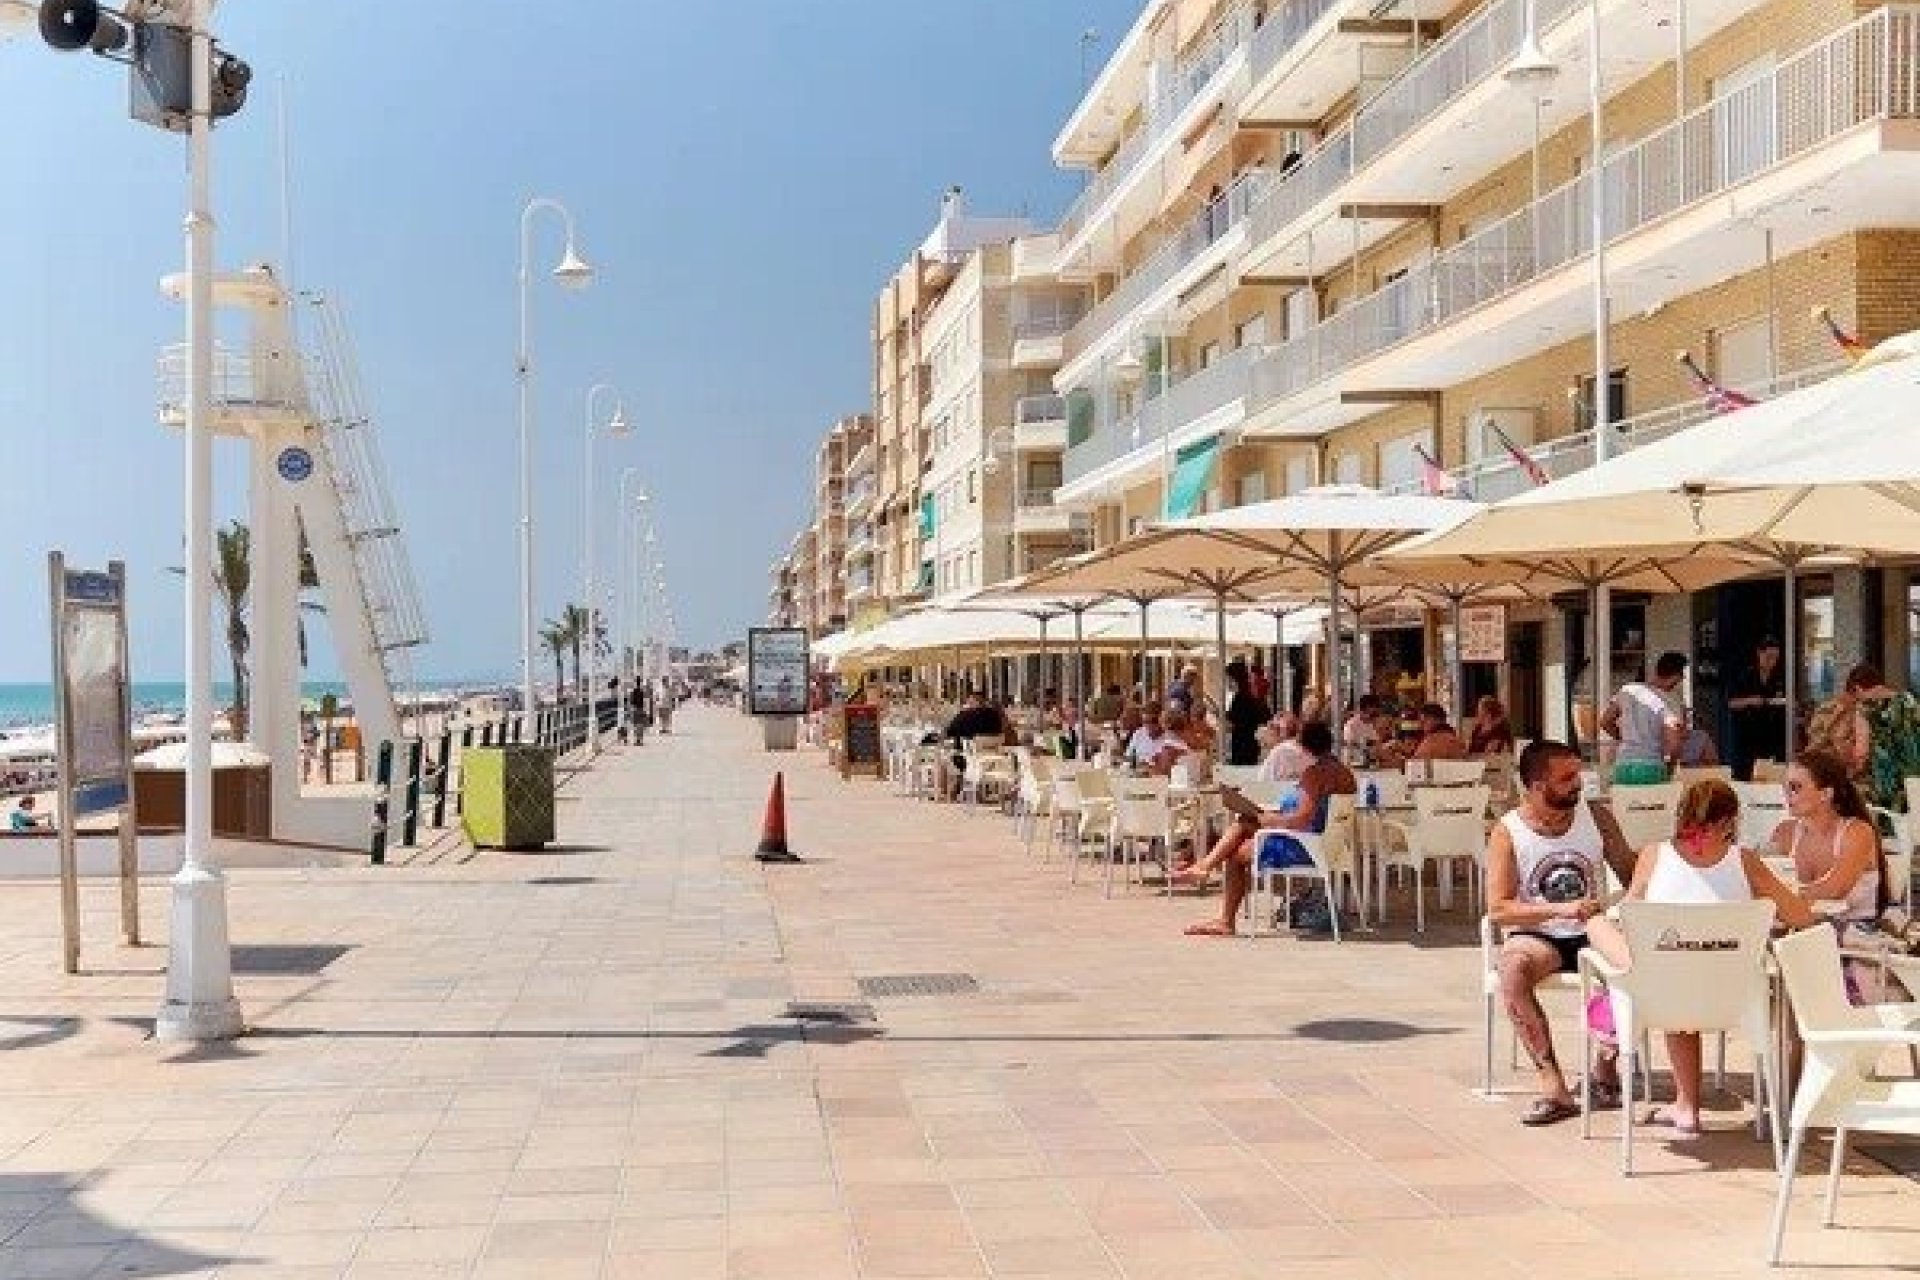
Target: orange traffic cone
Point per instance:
(773, 827)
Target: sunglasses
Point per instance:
(1795, 788)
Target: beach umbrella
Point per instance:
(1830, 472)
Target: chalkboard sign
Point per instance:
(860, 751)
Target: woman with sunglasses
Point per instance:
(1700, 864)
(1835, 849)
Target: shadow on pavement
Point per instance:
(60, 1219)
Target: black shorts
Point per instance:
(1569, 948)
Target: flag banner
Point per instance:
(1847, 342)
(1719, 399)
(1535, 472)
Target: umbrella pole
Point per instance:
(1335, 659)
(1141, 678)
(1595, 603)
(1044, 686)
(1079, 658)
(1220, 639)
(1456, 668)
(1790, 633)
(1602, 654)
(1282, 669)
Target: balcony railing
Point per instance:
(1283, 29)
(1029, 410)
(1040, 328)
(1198, 234)
(1192, 76)
(1496, 477)
(240, 382)
(1034, 495)
(1479, 47)
(1211, 389)
(1867, 70)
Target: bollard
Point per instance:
(410, 821)
(440, 783)
(383, 776)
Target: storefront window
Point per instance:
(1816, 643)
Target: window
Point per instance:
(1252, 331)
(1350, 469)
(1486, 425)
(1252, 488)
(973, 568)
(1303, 310)
(1616, 400)
(1743, 355)
(1209, 353)
(1299, 474)
(973, 486)
(1400, 459)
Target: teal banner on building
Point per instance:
(1192, 474)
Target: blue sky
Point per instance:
(745, 177)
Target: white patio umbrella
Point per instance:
(1832, 470)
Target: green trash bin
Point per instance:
(506, 796)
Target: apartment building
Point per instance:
(783, 603)
(902, 385)
(806, 578)
(996, 428)
(831, 544)
(1328, 237)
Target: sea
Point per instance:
(23, 705)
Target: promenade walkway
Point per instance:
(581, 1064)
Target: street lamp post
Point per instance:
(623, 587)
(617, 428)
(200, 1004)
(572, 273)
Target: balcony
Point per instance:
(1205, 242)
(1035, 515)
(1039, 422)
(1169, 113)
(859, 546)
(1038, 342)
(1423, 138)
(1492, 479)
(860, 495)
(1822, 146)
(1119, 451)
(246, 391)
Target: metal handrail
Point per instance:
(1869, 69)
(1193, 76)
(1199, 233)
(1186, 401)
(1030, 410)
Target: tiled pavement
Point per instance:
(577, 1064)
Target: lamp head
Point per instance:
(573, 271)
(617, 426)
(1531, 68)
(1129, 364)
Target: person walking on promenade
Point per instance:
(1650, 723)
(1246, 712)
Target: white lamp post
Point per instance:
(618, 429)
(1533, 69)
(623, 585)
(199, 1003)
(572, 273)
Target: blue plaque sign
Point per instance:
(294, 464)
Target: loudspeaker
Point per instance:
(73, 25)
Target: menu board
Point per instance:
(860, 751)
(777, 681)
(91, 669)
(1483, 633)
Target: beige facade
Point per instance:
(842, 443)
(1323, 241)
(995, 427)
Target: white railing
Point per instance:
(1040, 328)
(1029, 410)
(237, 383)
(1293, 193)
(1499, 476)
(1198, 234)
(1867, 70)
(1192, 76)
(1211, 389)
(1282, 30)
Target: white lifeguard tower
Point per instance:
(314, 471)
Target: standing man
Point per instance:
(1759, 706)
(1650, 722)
(1546, 877)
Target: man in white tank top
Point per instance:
(1546, 876)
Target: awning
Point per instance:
(1192, 474)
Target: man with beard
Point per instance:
(1546, 877)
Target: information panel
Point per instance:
(777, 681)
(1483, 633)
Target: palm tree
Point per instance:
(233, 584)
(557, 635)
(581, 623)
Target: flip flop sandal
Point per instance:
(1210, 929)
(1679, 1132)
(1606, 1097)
(1545, 1111)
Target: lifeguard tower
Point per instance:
(315, 472)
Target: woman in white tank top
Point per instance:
(1700, 864)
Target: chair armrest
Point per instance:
(1591, 961)
(1866, 1037)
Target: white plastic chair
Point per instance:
(1450, 826)
(1490, 997)
(1769, 771)
(1095, 826)
(1688, 774)
(1447, 773)
(1063, 810)
(987, 772)
(1763, 806)
(1141, 820)
(1694, 967)
(1838, 1088)
(1331, 855)
(1035, 803)
(1645, 813)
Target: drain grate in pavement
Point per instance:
(919, 984)
(284, 958)
(550, 882)
(817, 1011)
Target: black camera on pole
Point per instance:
(158, 55)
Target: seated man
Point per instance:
(1145, 743)
(1285, 758)
(1323, 779)
(1438, 739)
(25, 816)
(1546, 877)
